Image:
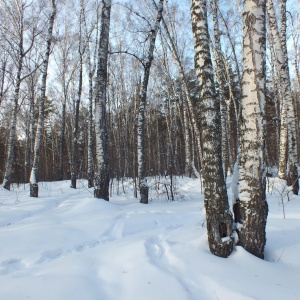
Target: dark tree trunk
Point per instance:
(144, 189)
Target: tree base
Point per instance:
(100, 195)
(144, 193)
(252, 235)
(34, 190)
(293, 179)
(219, 233)
(222, 249)
(73, 183)
(101, 190)
(90, 182)
(6, 185)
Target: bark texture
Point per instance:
(218, 216)
(37, 145)
(12, 135)
(251, 210)
(101, 187)
(288, 135)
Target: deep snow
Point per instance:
(68, 245)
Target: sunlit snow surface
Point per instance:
(67, 245)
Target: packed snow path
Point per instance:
(68, 245)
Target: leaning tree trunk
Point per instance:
(34, 189)
(173, 48)
(220, 71)
(252, 208)
(144, 189)
(288, 134)
(218, 216)
(101, 187)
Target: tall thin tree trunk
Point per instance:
(182, 75)
(34, 189)
(220, 71)
(288, 134)
(144, 189)
(187, 143)
(101, 187)
(90, 132)
(74, 166)
(12, 134)
(62, 140)
(252, 208)
(218, 216)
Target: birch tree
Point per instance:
(172, 45)
(81, 50)
(16, 36)
(144, 189)
(252, 208)
(288, 168)
(91, 67)
(220, 78)
(218, 216)
(37, 144)
(101, 186)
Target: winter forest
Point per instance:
(133, 95)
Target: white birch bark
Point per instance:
(40, 123)
(218, 216)
(90, 133)
(101, 186)
(288, 136)
(19, 19)
(12, 134)
(251, 210)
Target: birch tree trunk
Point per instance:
(218, 216)
(74, 166)
(12, 134)
(191, 113)
(288, 134)
(101, 187)
(220, 71)
(141, 141)
(90, 133)
(292, 168)
(30, 137)
(34, 189)
(91, 71)
(252, 208)
(18, 17)
(62, 140)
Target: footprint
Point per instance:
(48, 256)
(154, 248)
(11, 265)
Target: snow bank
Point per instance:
(68, 245)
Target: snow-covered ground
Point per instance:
(67, 245)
